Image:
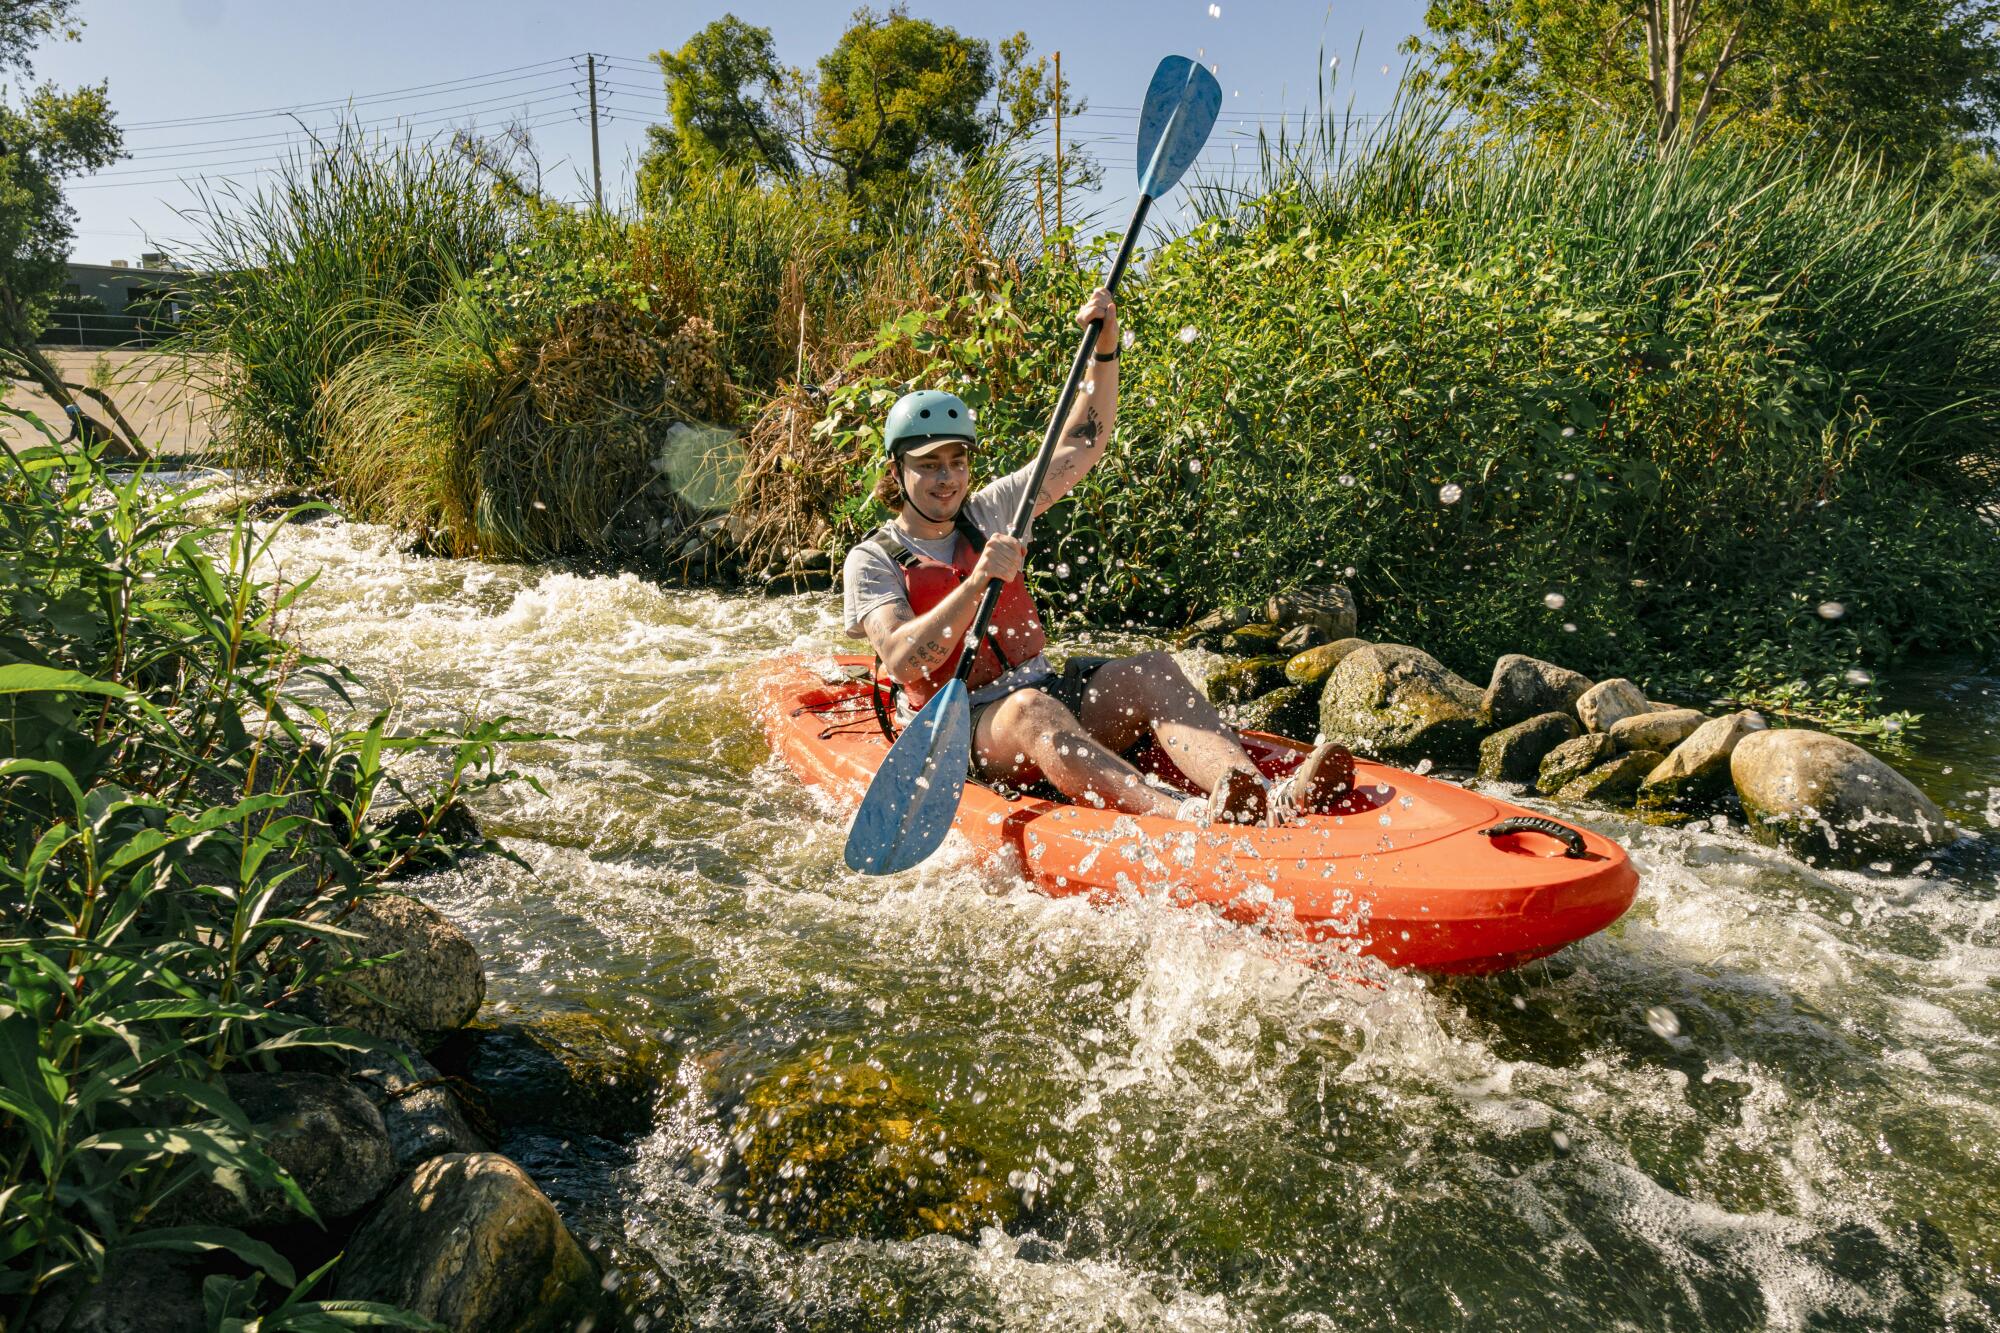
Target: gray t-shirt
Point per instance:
(871, 579)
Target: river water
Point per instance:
(1768, 1098)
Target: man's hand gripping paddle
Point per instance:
(910, 804)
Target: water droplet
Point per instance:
(1347, 478)
(1857, 676)
(1520, 1002)
(1194, 465)
(1188, 333)
(1554, 601)
(1568, 431)
(1062, 569)
(1831, 610)
(1449, 493)
(1569, 627)
(1560, 1139)
(1423, 767)
(1666, 1024)
(1215, 11)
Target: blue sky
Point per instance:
(218, 88)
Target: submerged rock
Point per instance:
(1698, 768)
(469, 1241)
(1516, 753)
(432, 989)
(1328, 607)
(1821, 796)
(576, 1073)
(1397, 702)
(1571, 760)
(1311, 667)
(1523, 687)
(1660, 730)
(1608, 702)
(851, 1150)
(1289, 710)
(1240, 682)
(1615, 781)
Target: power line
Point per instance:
(297, 107)
(238, 139)
(172, 178)
(260, 157)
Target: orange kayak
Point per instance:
(1415, 871)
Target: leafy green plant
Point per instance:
(186, 823)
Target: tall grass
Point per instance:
(300, 274)
(185, 824)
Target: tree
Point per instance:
(894, 94)
(46, 136)
(721, 87)
(1906, 78)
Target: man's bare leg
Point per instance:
(1028, 730)
(1128, 698)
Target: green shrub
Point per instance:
(184, 827)
(1718, 421)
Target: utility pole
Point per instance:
(1059, 165)
(596, 170)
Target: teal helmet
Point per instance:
(926, 415)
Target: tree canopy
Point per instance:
(1905, 78)
(894, 94)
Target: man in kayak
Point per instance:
(913, 587)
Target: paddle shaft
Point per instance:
(1024, 514)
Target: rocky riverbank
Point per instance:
(1296, 667)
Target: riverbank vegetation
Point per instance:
(189, 821)
(1722, 413)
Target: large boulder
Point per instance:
(1827, 798)
(322, 1130)
(1515, 754)
(1571, 760)
(1289, 710)
(433, 988)
(1399, 703)
(1608, 702)
(1311, 667)
(468, 1241)
(1240, 682)
(418, 1108)
(1698, 768)
(1658, 730)
(1329, 608)
(1615, 781)
(1523, 687)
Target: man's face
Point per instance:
(938, 478)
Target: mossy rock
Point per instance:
(851, 1150)
(1399, 703)
(1240, 682)
(1515, 754)
(1253, 640)
(1614, 782)
(1289, 710)
(1314, 665)
(1571, 760)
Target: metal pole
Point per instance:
(596, 170)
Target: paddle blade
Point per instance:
(1181, 105)
(910, 804)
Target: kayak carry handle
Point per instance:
(1562, 833)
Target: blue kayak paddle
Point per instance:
(914, 795)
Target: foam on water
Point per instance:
(1213, 1135)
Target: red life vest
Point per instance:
(1013, 636)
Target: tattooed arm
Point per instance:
(1088, 429)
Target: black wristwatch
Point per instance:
(1099, 356)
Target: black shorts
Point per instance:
(1068, 687)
